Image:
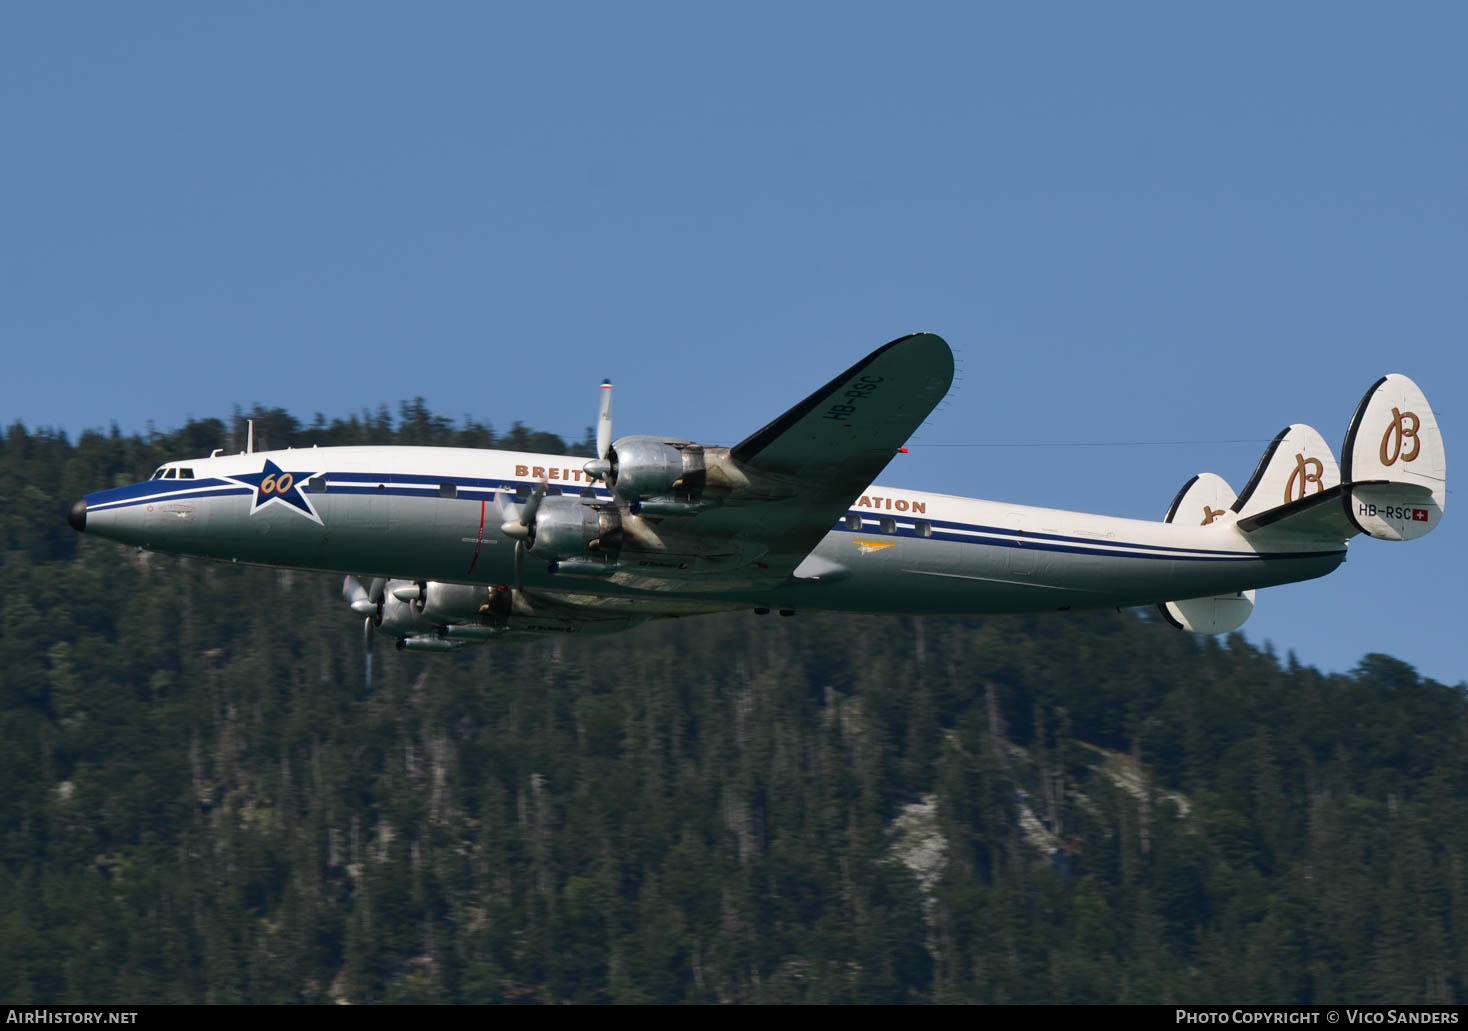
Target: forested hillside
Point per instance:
(201, 800)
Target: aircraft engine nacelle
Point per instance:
(399, 615)
(566, 527)
(650, 467)
(657, 468)
(449, 603)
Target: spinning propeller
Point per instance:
(368, 604)
(520, 524)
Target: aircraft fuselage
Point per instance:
(418, 513)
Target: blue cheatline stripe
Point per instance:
(219, 493)
(1001, 538)
(428, 487)
(423, 485)
(122, 497)
(394, 485)
(1031, 536)
(431, 480)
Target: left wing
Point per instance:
(801, 472)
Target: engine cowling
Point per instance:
(448, 603)
(654, 467)
(568, 528)
(670, 477)
(399, 615)
(435, 602)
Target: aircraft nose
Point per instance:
(77, 516)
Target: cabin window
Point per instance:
(853, 521)
(888, 524)
(922, 528)
(316, 485)
(448, 490)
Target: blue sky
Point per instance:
(1133, 222)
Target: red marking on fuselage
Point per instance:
(478, 543)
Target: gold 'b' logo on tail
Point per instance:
(1398, 433)
(1307, 471)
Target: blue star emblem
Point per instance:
(273, 485)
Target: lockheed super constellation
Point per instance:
(445, 547)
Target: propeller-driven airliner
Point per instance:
(447, 547)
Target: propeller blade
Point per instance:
(503, 507)
(598, 467)
(527, 517)
(367, 635)
(604, 420)
(356, 596)
(519, 526)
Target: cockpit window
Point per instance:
(186, 474)
(172, 474)
(157, 474)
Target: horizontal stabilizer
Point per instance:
(1298, 464)
(1319, 515)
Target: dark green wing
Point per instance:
(830, 447)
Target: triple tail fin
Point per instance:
(1391, 484)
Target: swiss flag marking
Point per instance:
(1419, 515)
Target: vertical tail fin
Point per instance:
(1297, 464)
(1206, 500)
(1394, 462)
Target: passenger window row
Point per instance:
(887, 524)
